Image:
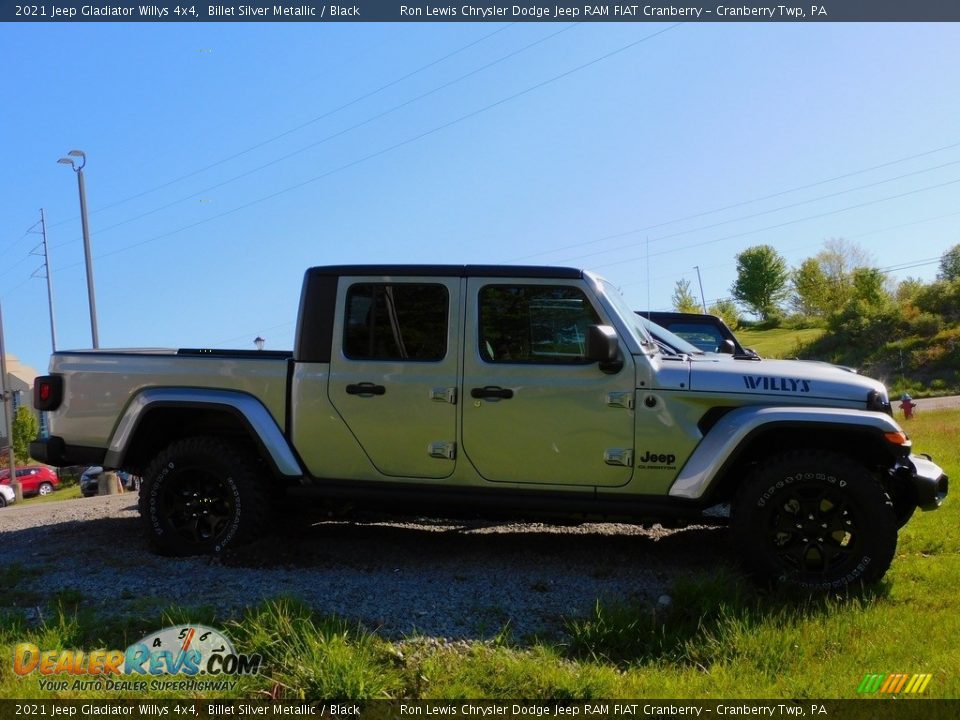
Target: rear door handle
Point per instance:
(365, 388)
(491, 392)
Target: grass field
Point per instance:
(721, 637)
(777, 342)
(64, 493)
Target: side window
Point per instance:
(534, 324)
(705, 337)
(397, 321)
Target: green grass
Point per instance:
(777, 342)
(63, 493)
(720, 637)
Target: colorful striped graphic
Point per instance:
(893, 683)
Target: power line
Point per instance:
(799, 247)
(285, 133)
(400, 144)
(334, 135)
(789, 222)
(768, 212)
(740, 203)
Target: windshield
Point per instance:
(633, 323)
(665, 337)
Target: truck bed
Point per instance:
(99, 384)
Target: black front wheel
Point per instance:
(816, 520)
(201, 495)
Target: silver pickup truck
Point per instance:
(500, 391)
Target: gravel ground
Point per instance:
(401, 577)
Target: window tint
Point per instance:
(402, 321)
(534, 324)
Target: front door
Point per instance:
(394, 378)
(534, 409)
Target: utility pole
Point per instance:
(7, 415)
(86, 237)
(703, 302)
(46, 275)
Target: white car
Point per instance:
(7, 496)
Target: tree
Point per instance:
(950, 264)
(869, 286)
(838, 259)
(684, 299)
(761, 283)
(25, 430)
(726, 310)
(811, 295)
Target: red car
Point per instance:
(34, 479)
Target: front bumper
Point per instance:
(927, 478)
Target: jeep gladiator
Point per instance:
(529, 392)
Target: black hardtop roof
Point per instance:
(513, 271)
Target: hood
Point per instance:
(784, 379)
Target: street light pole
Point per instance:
(86, 238)
(703, 301)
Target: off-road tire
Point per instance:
(200, 496)
(815, 520)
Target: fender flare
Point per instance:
(247, 408)
(721, 443)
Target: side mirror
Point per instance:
(727, 347)
(603, 347)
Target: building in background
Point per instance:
(20, 379)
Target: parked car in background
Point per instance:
(708, 332)
(34, 479)
(7, 496)
(90, 481)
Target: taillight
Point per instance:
(47, 392)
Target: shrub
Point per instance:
(925, 324)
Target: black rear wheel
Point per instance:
(201, 495)
(816, 520)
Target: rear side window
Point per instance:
(540, 324)
(396, 321)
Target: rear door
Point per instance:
(393, 373)
(535, 410)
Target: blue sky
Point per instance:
(224, 159)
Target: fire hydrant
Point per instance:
(907, 405)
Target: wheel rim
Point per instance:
(815, 530)
(197, 504)
(46, 489)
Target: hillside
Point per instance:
(778, 342)
(921, 364)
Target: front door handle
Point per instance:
(491, 392)
(365, 388)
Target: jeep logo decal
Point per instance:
(658, 459)
(781, 384)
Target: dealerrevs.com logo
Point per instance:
(892, 683)
(204, 655)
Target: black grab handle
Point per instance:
(491, 391)
(366, 388)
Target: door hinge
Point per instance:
(621, 399)
(618, 456)
(444, 394)
(443, 450)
